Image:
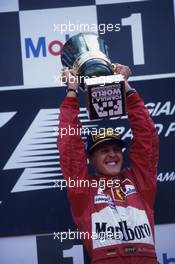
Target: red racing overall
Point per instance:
(126, 208)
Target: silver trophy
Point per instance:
(87, 55)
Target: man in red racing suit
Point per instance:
(118, 219)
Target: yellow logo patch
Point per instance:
(109, 132)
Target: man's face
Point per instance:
(107, 159)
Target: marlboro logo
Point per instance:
(137, 232)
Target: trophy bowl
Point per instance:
(87, 54)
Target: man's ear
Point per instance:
(89, 159)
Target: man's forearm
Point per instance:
(71, 94)
(127, 86)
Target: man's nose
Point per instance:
(112, 153)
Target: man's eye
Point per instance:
(115, 150)
(104, 150)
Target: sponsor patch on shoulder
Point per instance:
(123, 189)
(128, 187)
(101, 199)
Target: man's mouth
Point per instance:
(111, 163)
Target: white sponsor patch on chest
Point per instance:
(120, 226)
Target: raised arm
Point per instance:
(71, 147)
(70, 144)
(144, 148)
